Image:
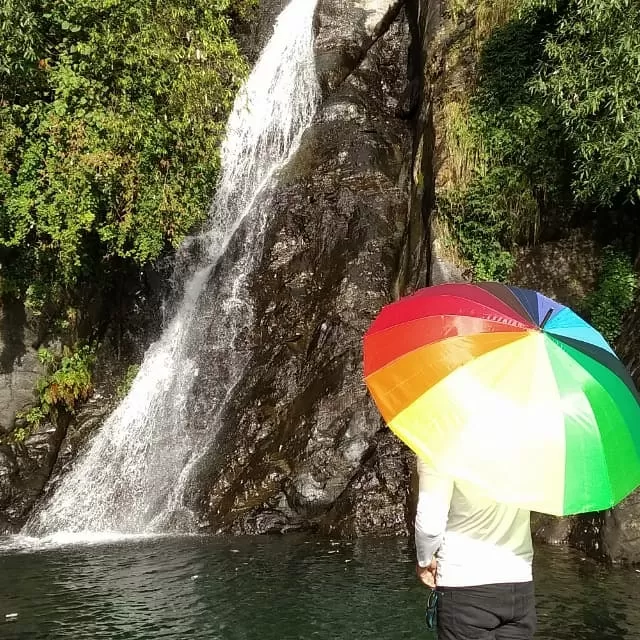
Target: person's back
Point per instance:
(484, 555)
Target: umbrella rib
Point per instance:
(489, 287)
(496, 317)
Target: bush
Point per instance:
(590, 77)
(126, 382)
(67, 382)
(111, 115)
(552, 137)
(614, 295)
(480, 227)
(504, 154)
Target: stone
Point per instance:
(8, 472)
(24, 471)
(565, 270)
(378, 498)
(254, 32)
(551, 529)
(621, 531)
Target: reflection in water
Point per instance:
(274, 588)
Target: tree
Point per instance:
(591, 75)
(111, 116)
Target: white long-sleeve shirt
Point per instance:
(475, 540)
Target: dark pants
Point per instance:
(487, 612)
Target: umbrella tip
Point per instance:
(546, 317)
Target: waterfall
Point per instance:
(133, 473)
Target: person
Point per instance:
(477, 554)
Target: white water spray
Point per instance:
(132, 476)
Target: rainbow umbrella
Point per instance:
(509, 390)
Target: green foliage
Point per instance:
(614, 295)
(457, 8)
(66, 383)
(590, 77)
(481, 230)
(489, 14)
(127, 381)
(503, 149)
(552, 131)
(68, 380)
(492, 14)
(111, 116)
(33, 417)
(464, 147)
(19, 435)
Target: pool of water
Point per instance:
(279, 588)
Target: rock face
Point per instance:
(565, 270)
(24, 468)
(254, 31)
(29, 466)
(19, 365)
(304, 446)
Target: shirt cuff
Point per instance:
(426, 547)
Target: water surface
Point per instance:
(280, 588)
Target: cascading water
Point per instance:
(132, 476)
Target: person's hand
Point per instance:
(427, 575)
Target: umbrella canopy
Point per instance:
(509, 390)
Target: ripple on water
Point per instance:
(280, 588)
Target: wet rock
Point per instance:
(444, 269)
(255, 29)
(564, 269)
(8, 476)
(19, 364)
(586, 535)
(621, 531)
(377, 499)
(551, 529)
(25, 470)
(345, 31)
(628, 344)
(301, 424)
(77, 435)
(8, 487)
(25, 466)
